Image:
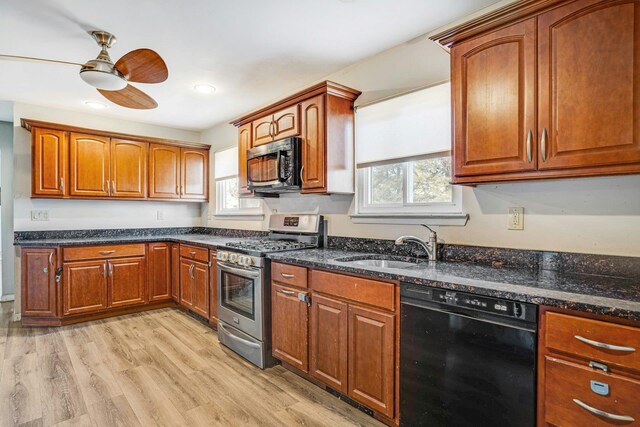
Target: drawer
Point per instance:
(367, 291)
(289, 274)
(101, 252)
(194, 252)
(568, 334)
(565, 381)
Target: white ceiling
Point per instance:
(253, 51)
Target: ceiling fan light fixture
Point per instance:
(95, 104)
(205, 88)
(102, 75)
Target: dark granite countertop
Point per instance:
(198, 239)
(606, 295)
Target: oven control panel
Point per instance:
(238, 259)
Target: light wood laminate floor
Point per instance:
(156, 368)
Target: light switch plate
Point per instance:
(40, 215)
(516, 219)
(160, 215)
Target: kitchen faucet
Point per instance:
(430, 247)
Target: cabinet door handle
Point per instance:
(191, 271)
(604, 345)
(110, 269)
(301, 174)
(543, 144)
(275, 129)
(62, 184)
(603, 413)
(113, 186)
(178, 190)
(51, 259)
(529, 138)
(108, 188)
(283, 291)
(107, 252)
(287, 276)
(104, 269)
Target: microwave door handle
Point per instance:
(283, 173)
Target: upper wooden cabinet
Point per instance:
(49, 162)
(322, 116)
(70, 162)
(546, 90)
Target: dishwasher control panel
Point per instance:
(503, 307)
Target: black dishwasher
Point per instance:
(465, 359)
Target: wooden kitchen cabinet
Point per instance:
(244, 143)
(328, 342)
(371, 358)
(175, 272)
(159, 262)
(126, 281)
(186, 283)
(128, 169)
(194, 167)
(323, 117)
(89, 165)
(194, 280)
(520, 109)
(49, 158)
(213, 289)
(84, 287)
(38, 281)
(289, 323)
(164, 171)
(201, 285)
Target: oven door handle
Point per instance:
(239, 271)
(236, 338)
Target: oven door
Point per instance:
(240, 298)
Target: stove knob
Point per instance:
(233, 257)
(248, 261)
(242, 259)
(223, 256)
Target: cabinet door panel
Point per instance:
(493, 96)
(371, 358)
(128, 168)
(186, 282)
(89, 165)
(39, 297)
(175, 272)
(286, 123)
(589, 84)
(289, 322)
(159, 267)
(201, 289)
(84, 287)
(262, 131)
(313, 144)
(164, 172)
(127, 283)
(244, 143)
(48, 162)
(328, 347)
(195, 174)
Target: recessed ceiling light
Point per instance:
(95, 104)
(204, 88)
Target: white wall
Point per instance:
(591, 215)
(6, 211)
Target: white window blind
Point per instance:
(226, 163)
(407, 126)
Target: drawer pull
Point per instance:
(192, 253)
(106, 252)
(604, 345)
(286, 292)
(287, 276)
(603, 413)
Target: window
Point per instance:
(403, 157)
(228, 201)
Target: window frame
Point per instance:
(240, 211)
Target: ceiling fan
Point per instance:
(112, 80)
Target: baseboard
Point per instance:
(8, 297)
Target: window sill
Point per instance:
(239, 216)
(410, 219)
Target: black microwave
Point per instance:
(275, 167)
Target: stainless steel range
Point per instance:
(244, 303)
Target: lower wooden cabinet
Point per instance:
(84, 287)
(159, 271)
(328, 342)
(371, 358)
(289, 322)
(194, 286)
(186, 283)
(39, 291)
(126, 282)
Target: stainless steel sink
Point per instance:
(380, 262)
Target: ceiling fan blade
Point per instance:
(31, 58)
(143, 66)
(130, 97)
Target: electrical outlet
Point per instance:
(160, 215)
(40, 215)
(516, 219)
